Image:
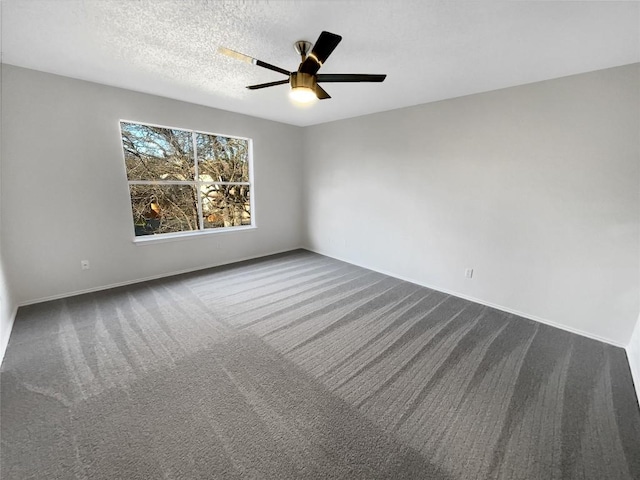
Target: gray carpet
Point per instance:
(299, 366)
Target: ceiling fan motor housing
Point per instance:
(303, 80)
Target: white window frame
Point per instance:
(167, 237)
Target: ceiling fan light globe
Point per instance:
(303, 95)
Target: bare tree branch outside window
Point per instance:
(181, 180)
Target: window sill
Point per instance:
(172, 237)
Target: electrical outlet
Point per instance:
(84, 264)
(468, 273)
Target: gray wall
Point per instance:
(7, 303)
(65, 194)
(534, 187)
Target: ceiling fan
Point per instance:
(304, 82)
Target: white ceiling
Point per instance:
(430, 50)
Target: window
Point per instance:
(182, 180)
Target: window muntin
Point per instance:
(183, 180)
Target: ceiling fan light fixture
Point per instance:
(303, 88)
(304, 95)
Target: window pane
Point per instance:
(222, 159)
(155, 153)
(163, 208)
(226, 205)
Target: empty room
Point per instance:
(315, 239)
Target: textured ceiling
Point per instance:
(430, 50)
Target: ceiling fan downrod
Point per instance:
(302, 47)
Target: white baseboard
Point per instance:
(5, 341)
(146, 279)
(477, 300)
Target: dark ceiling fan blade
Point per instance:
(262, 64)
(320, 92)
(246, 58)
(326, 43)
(349, 77)
(265, 85)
